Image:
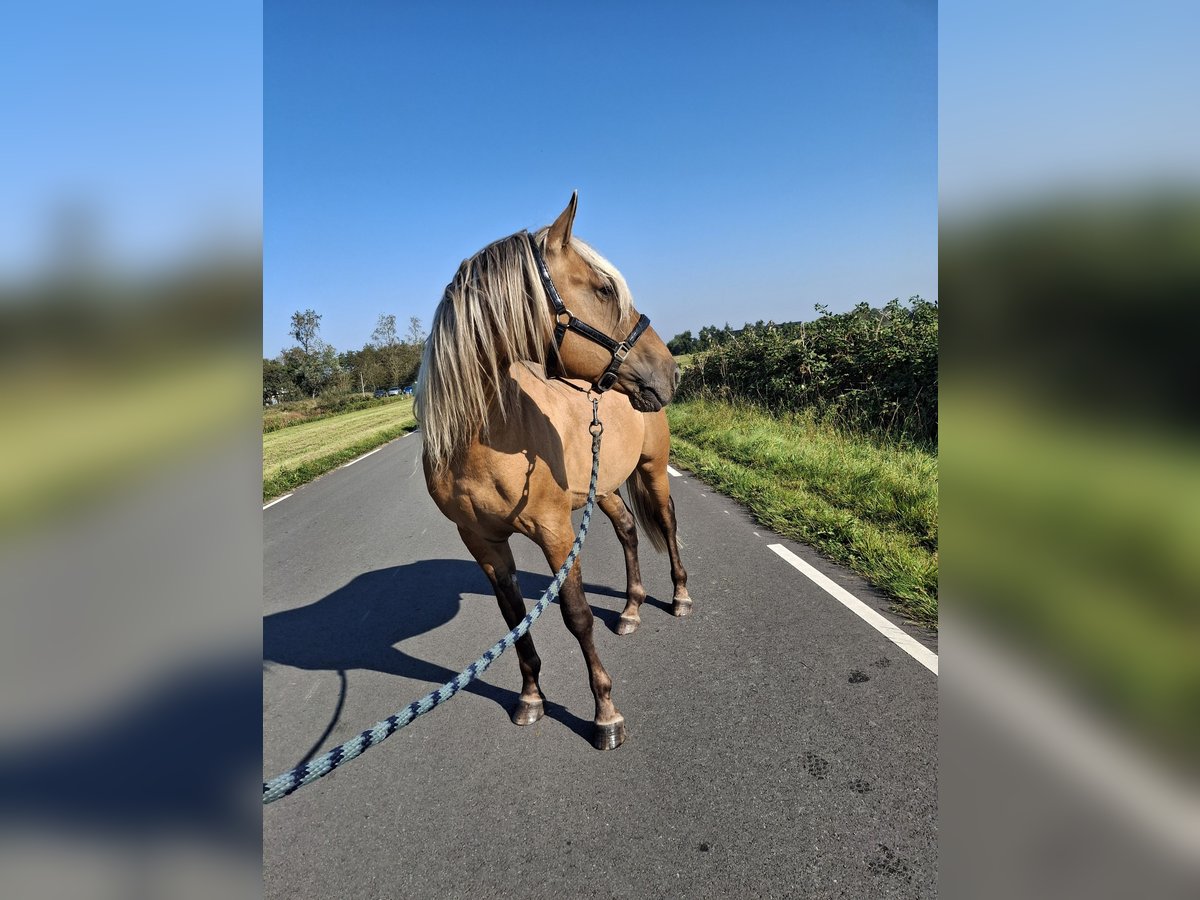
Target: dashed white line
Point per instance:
(361, 458)
(673, 472)
(277, 500)
(886, 627)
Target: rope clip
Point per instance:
(597, 427)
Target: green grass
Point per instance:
(872, 507)
(297, 412)
(297, 454)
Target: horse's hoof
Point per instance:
(627, 626)
(681, 608)
(610, 736)
(528, 712)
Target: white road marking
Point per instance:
(277, 500)
(674, 473)
(360, 458)
(886, 627)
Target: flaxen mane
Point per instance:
(493, 313)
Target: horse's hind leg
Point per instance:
(635, 592)
(658, 485)
(496, 560)
(577, 615)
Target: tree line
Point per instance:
(313, 367)
(710, 336)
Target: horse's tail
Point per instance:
(641, 503)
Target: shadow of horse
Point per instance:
(358, 626)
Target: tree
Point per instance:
(683, 343)
(409, 362)
(305, 328)
(313, 364)
(361, 367)
(389, 349)
(416, 334)
(276, 382)
(384, 335)
(311, 372)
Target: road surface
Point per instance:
(779, 744)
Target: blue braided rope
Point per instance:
(306, 773)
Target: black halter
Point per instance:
(565, 321)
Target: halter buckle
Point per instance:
(606, 381)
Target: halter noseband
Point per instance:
(566, 321)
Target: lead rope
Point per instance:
(306, 773)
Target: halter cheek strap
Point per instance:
(566, 321)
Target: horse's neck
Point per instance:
(540, 373)
(530, 397)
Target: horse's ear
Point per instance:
(560, 232)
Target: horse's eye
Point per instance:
(606, 290)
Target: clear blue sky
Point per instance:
(736, 161)
(147, 114)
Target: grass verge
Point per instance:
(297, 454)
(872, 507)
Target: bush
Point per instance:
(871, 370)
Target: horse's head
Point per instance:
(596, 295)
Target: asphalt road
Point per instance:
(778, 745)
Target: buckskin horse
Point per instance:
(531, 328)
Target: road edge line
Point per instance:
(883, 625)
(364, 456)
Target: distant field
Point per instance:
(299, 453)
(297, 412)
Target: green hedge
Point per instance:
(871, 370)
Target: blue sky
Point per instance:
(736, 161)
(147, 114)
(1097, 97)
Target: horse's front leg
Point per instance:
(496, 560)
(635, 592)
(556, 543)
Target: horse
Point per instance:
(519, 346)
